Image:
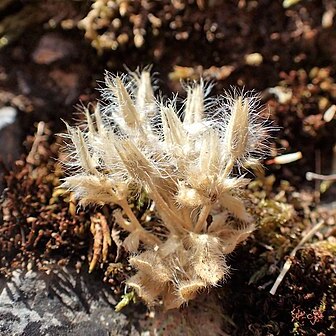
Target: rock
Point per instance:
(59, 303)
(7, 116)
(52, 48)
(10, 134)
(10, 137)
(203, 316)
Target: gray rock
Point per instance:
(10, 138)
(60, 302)
(7, 116)
(10, 135)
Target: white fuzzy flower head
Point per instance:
(189, 163)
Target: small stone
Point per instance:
(52, 48)
(7, 116)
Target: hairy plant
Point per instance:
(189, 161)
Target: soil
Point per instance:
(50, 62)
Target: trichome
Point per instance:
(189, 159)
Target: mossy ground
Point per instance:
(40, 226)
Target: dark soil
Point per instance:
(48, 66)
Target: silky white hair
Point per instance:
(186, 161)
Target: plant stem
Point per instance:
(202, 218)
(228, 168)
(128, 211)
(161, 204)
(313, 176)
(145, 236)
(187, 218)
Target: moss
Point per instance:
(325, 247)
(305, 301)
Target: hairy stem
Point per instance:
(186, 218)
(145, 236)
(228, 168)
(161, 204)
(202, 218)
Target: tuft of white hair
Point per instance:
(188, 161)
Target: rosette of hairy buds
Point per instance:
(188, 160)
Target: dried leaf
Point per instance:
(102, 239)
(97, 232)
(117, 241)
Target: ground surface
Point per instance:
(47, 66)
